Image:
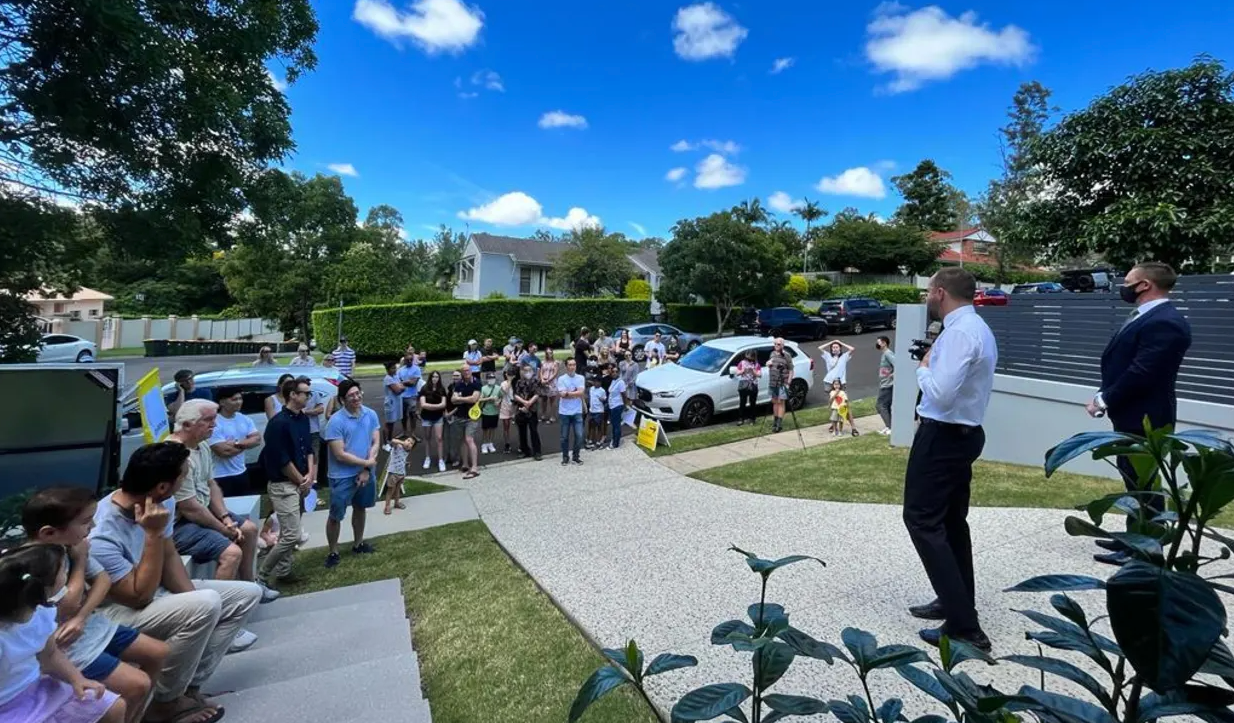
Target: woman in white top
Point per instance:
(836, 356)
(275, 402)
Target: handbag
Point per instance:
(474, 412)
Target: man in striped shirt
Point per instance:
(345, 357)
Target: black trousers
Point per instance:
(528, 424)
(745, 402)
(883, 405)
(937, 486)
(1131, 481)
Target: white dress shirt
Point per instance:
(956, 387)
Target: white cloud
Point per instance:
(704, 31)
(928, 44)
(638, 227)
(489, 79)
(728, 148)
(437, 26)
(343, 169)
(781, 65)
(783, 203)
(561, 119)
(676, 174)
(682, 146)
(279, 84)
(859, 181)
(715, 171)
(467, 95)
(519, 209)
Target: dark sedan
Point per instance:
(786, 321)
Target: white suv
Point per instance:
(700, 385)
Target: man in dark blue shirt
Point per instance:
(291, 468)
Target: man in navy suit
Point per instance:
(1139, 368)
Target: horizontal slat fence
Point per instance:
(1060, 337)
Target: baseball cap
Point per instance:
(472, 341)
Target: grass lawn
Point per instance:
(122, 351)
(866, 469)
(492, 647)
(723, 434)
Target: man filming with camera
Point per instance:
(956, 376)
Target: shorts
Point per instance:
(391, 412)
(430, 422)
(411, 406)
(596, 420)
(488, 421)
(109, 659)
(201, 543)
(779, 392)
(471, 428)
(48, 699)
(346, 492)
(835, 416)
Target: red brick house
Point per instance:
(966, 246)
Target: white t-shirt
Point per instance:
(19, 649)
(837, 367)
(230, 430)
(569, 383)
(615, 390)
(316, 399)
(597, 399)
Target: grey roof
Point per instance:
(650, 258)
(524, 250)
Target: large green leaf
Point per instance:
(1077, 527)
(1058, 583)
(1065, 708)
(770, 663)
(794, 704)
(1205, 439)
(1066, 670)
(1080, 444)
(811, 648)
(720, 633)
(849, 711)
(1065, 627)
(665, 662)
(1208, 703)
(926, 683)
(1060, 641)
(769, 611)
(861, 645)
(1220, 662)
(959, 651)
(765, 567)
(1211, 475)
(931, 718)
(1069, 609)
(891, 656)
(600, 683)
(1143, 546)
(710, 701)
(890, 711)
(1166, 622)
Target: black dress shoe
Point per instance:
(932, 610)
(976, 638)
(1113, 558)
(1111, 545)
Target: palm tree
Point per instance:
(751, 212)
(808, 211)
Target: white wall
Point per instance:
(132, 333)
(1027, 417)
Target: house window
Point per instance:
(466, 270)
(94, 312)
(57, 308)
(75, 314)
(982, 247)
(532, 281)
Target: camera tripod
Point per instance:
(796, 425)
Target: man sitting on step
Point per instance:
(132, 541)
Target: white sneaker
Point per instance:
(427, 462)
(886, 431)
(441, 465)
(304, 537)
(243, 641)
(484, 448)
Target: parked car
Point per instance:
(640, 334)
(60, 348)
(857, 314)
(990, 297)
(1084, 280)
(1042, 287)
(786, 321)
(255, 384)
(689, 392)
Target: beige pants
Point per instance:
(275, 562)
(197, 626)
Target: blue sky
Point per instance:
(511, 116)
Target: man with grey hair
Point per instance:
(205, 530)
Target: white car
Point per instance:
(692, 390)
(64, 348)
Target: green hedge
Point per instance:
(988, 274)
(698, 318)
(443, 327)
(886, 293)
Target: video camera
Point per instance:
(917, 350)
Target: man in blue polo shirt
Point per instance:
(409, 374)
(353, 436)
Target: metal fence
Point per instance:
(1060, 337)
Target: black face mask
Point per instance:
(1129, 293)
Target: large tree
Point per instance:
(592, 263)
(158, 115)
(809, 211)
(1146, 171)
(284, 255)
(447, 248)
(929, 198)
(861, 242)
(724, 261)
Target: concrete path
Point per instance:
(633, 549)
(699, 459)
(423, 511)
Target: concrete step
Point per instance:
(320, 650)
(368, 692)
(390, 589)
(315, 623)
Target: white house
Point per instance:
(83, 304)
(519, 267)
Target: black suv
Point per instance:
(857, 314)
(1084, 280)
(785, 321)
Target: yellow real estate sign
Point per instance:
(650, 432)
(155, 426)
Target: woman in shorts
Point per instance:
(549, 371)
(432, 409)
